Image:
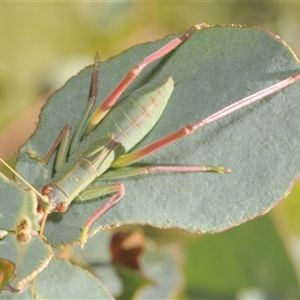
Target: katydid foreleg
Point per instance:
(117, 188)
(61, 143)
(82, 123)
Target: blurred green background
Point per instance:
(43, 44)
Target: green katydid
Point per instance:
(109, 142)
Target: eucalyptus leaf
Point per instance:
(22, 246)
(77, 284)
(30, 258)
(16, 205)
(216, 67)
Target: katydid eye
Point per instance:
(46, 189)
(62, 207)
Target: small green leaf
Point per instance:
(16, 205)
(77, 283)
(22, 246)
(61, 280)
(30, 258)
(216, 67)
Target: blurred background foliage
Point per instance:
(43, 44)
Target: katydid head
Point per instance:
(52, 195)
(49, 204)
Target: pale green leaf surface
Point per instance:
(77, 284)
(26, 294)
(16, 204)
(29, 258)
(214, 68)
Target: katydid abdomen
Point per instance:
(131, 119)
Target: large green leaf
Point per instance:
(214, 68)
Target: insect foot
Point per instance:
(35, 156)
(219, 169)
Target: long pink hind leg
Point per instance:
(130, 158)
(103, 109)
(127, 159)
